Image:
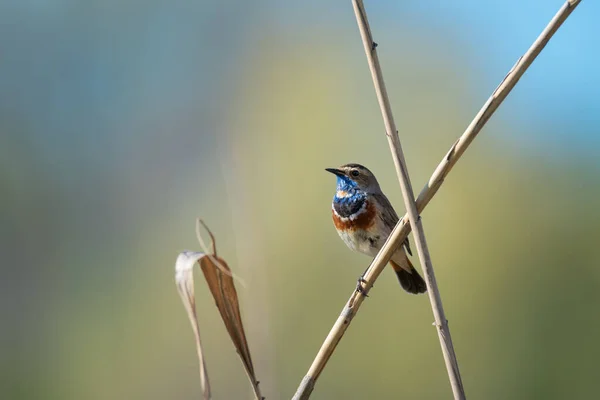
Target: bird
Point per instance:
(364, 218)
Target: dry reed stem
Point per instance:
(409, 202)
(402, 229)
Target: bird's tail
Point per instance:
(409, 278)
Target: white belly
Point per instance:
(366, 242)
(356, 240)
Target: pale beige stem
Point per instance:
(409, 201)
(402, 229)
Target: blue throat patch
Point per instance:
(350, 204)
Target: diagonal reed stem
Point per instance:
(402, 229)
(409, 201)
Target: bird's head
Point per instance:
(352, 177)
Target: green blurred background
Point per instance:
(121, 121)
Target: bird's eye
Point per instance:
(354, 172)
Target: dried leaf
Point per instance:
(220, 281)
(184, 278)
(226, 299)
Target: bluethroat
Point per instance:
(364, 218)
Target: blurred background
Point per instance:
(122, 121)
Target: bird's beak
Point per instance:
(335, 171)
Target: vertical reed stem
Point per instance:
(409, 201)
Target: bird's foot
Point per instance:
(359, 286)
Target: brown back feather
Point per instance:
(388, 215)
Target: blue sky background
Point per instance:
(558, 90)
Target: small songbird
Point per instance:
(364, 218)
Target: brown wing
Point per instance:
(389, 217)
